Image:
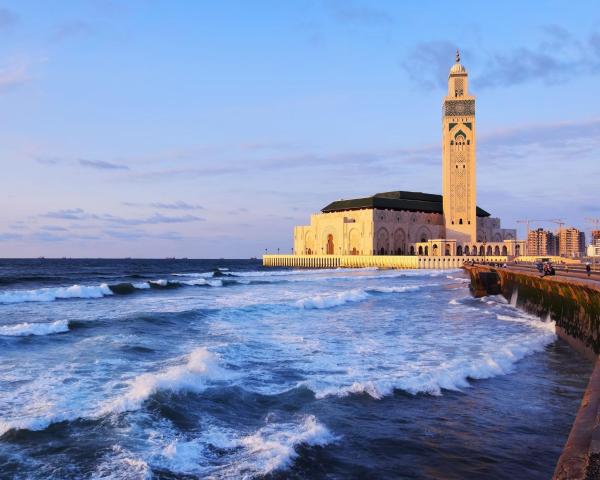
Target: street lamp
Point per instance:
(484, 244)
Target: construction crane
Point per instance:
(560, 222)
(528, 222)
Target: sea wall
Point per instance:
(378, 261)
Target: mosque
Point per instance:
(404, 223)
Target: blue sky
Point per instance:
(209, 129)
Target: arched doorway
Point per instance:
(459, 251)
(426, 250)
(504, 250)
(434, 250)
(330, 246)
(481, 251)
(496, 250)
(489, 250)
(420, 250)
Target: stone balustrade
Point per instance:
(378, 261)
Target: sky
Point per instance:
(202, 129)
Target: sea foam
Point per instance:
(26, 328)
(200, 367)
(51, 294)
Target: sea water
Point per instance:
(127, 369)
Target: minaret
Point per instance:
(458, 157)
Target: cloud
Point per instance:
(428, 63)
(347, 11)
(71, 28)
(178, 205)
(557, 58)
(156, 219)
(14, 76)
(67, 214)
(131, 235)
(10, 236)
(48, 160)
(7, 18)
(102, 165)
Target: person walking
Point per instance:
(588, 269)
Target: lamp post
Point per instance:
(484, 244)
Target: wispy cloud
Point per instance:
(155, 219)
(7, 18)
(14, 75)
(558, 57)
(71, 28)
(66, 214)
(349, 11)
(102, 165)
(178, 205)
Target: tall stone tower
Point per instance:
(458, 157)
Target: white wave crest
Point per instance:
(26, 329)
(51, 294)
(450, 375)
(202, 281)
(407, 288)
(201, 366)
(195, 275)
(273, 447)
(334, 300)
(141, 285)
(531, 320)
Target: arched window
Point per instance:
(382, 251)
(481, 251)
(496, 250)
(504, 250)
(517, 250)
(489, 250)
(426, 250)
(460, 221)
(420, 250)
(412, 250)
(447, 252)
(434, 250)
(459, 251)
(330, 246)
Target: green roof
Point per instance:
(408, 201)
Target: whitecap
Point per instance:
(54, 293)
(333, 300)
(201, 366)
(26, 328)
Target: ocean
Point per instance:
(221, 369)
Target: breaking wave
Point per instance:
(201, 366)
(99, 291)
(51, 294)
(270, 449)
(350, 296)
(26, 329)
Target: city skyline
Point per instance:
(210, 131)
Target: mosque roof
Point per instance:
(400, 200)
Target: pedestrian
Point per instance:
(588, 269)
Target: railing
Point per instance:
(379, 261)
